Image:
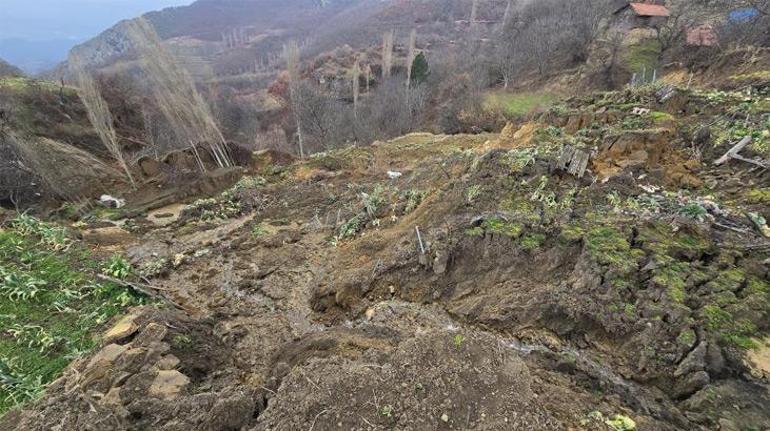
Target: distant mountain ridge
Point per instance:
(7, 69)
(231, 36)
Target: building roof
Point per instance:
(646, 9)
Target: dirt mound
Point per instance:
(650, 150)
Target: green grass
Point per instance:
(518, 104)
(643, 55)
(23, 84)
(50, 306)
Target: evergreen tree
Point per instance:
(420, 69)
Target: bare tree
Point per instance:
(98, 112)
(356, 77)
(291, 56)
(67, 171)
(177, 98)
(410, 61)
(387, 54)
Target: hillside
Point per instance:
(330, 293)
(401, 214)
(9, 70)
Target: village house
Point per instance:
(633, 15)
(702, 35)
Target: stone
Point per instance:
(441, 261)
(107, 355)
(151, 333)
(168, 362)
(715, 361)
(168, 384)
(150, 167)
(125, 328)
(694, 361)
(692, 384)
(727, 425)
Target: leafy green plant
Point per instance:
(621, 423)
(153, 267)
(351, 227)
(413, 199)
(51, 236)
(16, 386)
(472, 193)
(33, 336)
(55, 311)
(387, 411)
(117, 266)
(258, 230)
(532, 241)
(458, 340)
(372, 201)
(695, 211)
(19, 286)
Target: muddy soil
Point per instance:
(276, 321)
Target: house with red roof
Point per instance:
(642, 14)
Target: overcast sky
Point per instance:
(37, 34)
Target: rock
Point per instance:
(758, 360)
(694, 361)
(445, 417)
(122, 330)
(152, 333)
(727, 425)
(702, 136)
(112, 398)
(150, 167)
(715, 361)
(691, 384)
(441, 261)
(168, 362)
(107, 355)
(168, 384)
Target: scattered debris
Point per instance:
(733, 153)
(112, 202)
(640, 111)
(574, 160)
(760, 223)
(394, 175)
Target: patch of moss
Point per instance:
(687, 337)
(643, 56)
(728, 280)
(758, 286)
(716, 317)
(477, 231)
(673, 277)
(571, 233)
(532, 241)
(629, 310)
(610, 247)
(661, 117)
(661, 240)
(499, 226)
(521, 209)
(758, 196)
